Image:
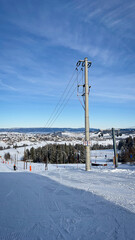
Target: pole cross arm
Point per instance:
(83, 63)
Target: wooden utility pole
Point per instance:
(85, 63)
(114, 147)
(46, 163)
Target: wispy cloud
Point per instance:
(6, 86)
(40, 45)
(70, 33)
(119, 97)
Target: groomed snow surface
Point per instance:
(66, 202)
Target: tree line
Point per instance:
(60, 153)
(127, 150)
(57, 153)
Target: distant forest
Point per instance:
(56, 153)
(60, 153)
(127, 150)
(63, 153)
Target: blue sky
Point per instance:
(40, 43)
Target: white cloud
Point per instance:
(7, 86)
(72, 31)
(124, 97)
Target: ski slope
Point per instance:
(66, 202)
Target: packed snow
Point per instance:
(66, 202)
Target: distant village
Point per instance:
(15, 140)
(8, 140)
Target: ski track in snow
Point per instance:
(66, 203)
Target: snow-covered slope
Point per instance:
(66, 202)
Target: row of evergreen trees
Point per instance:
(57, 153)
(127, 150)
(97, 146)
(60, 153)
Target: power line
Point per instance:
(62, 102)
(55, 109)
(63, 106)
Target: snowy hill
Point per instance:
(66, 202)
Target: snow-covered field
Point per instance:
(66, 202)
(11, 139)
